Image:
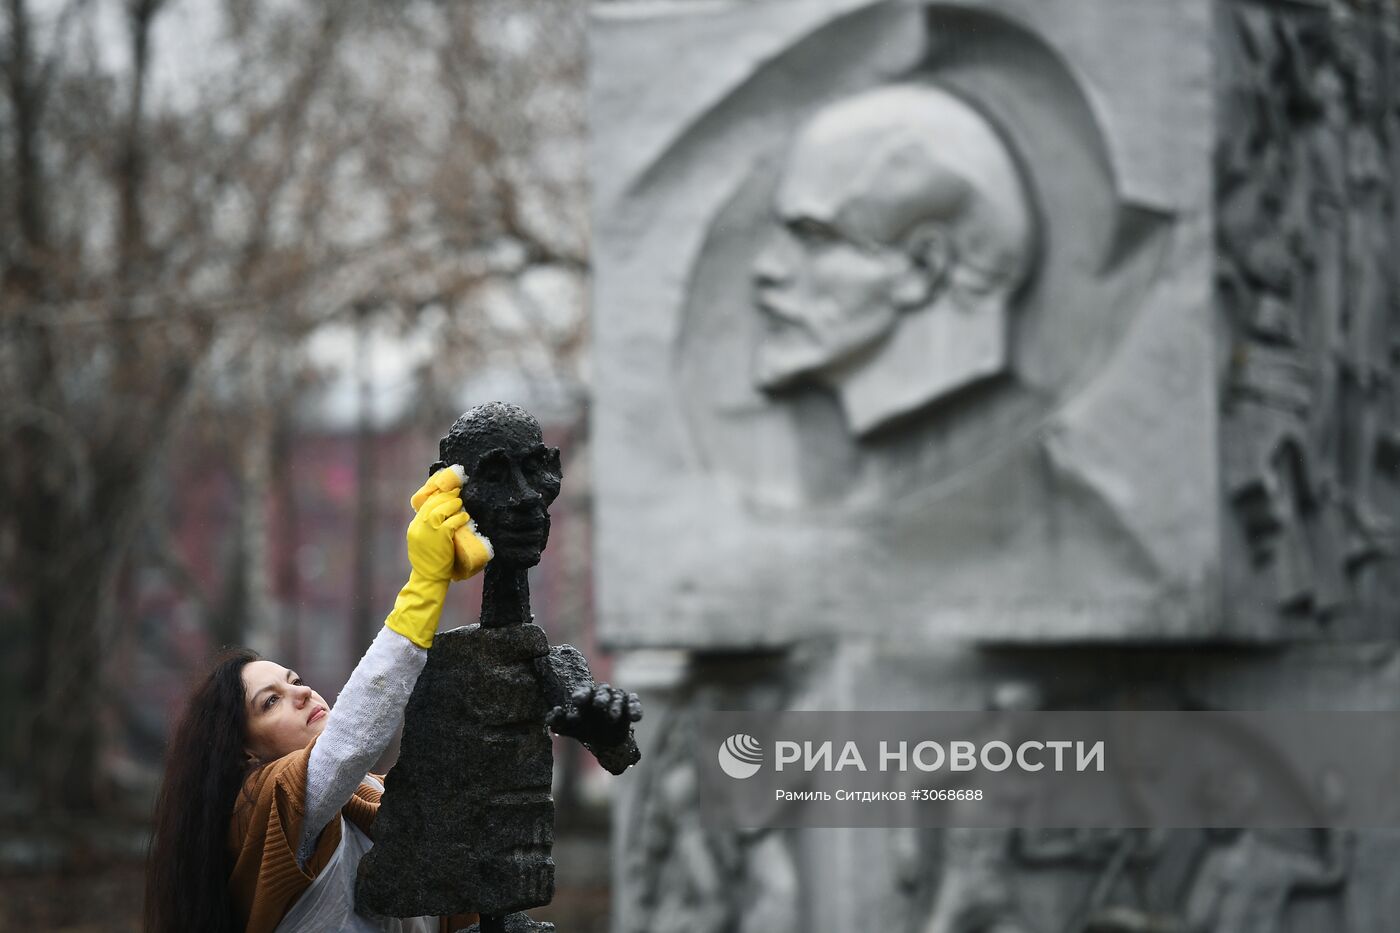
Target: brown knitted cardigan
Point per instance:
(263, 835)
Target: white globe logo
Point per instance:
(740, 756)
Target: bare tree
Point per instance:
(167, 247)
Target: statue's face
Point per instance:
(835, 274)
(512, 478)
(825, 293)
(509, 493)
(899, 201)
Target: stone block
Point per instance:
(1014, 320)
(670, 862)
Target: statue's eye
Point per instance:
(492, 468)
(813, 232)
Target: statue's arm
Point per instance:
(598, 715)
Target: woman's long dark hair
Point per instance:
(188, 867)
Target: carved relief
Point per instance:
(1306, 185)
(911, 277)
(688, 878)
(1127, 880)
(1247, 878)
(1122, 880)
(903, 230)
(928, 281)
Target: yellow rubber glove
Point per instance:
(473, 549)
(431, 555)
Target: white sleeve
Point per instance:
(367, 713)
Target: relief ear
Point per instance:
(929, 249)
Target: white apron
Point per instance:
(328, 906)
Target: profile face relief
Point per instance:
(902, 230)
(825, 291)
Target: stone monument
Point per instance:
(466, 824)
(1051, 342)
(902, 231)
(1084, 340)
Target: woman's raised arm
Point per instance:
(370, 708)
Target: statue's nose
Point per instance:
(773, 266)
(521, 489)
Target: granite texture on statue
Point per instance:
(467, 821)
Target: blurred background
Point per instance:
(254, 259)
(256, 256)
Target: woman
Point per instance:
(266, 805)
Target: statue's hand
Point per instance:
(598, 715)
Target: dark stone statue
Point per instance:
(467, 822)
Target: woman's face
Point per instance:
(283, 713)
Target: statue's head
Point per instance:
(512, 478)
(897, 202)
